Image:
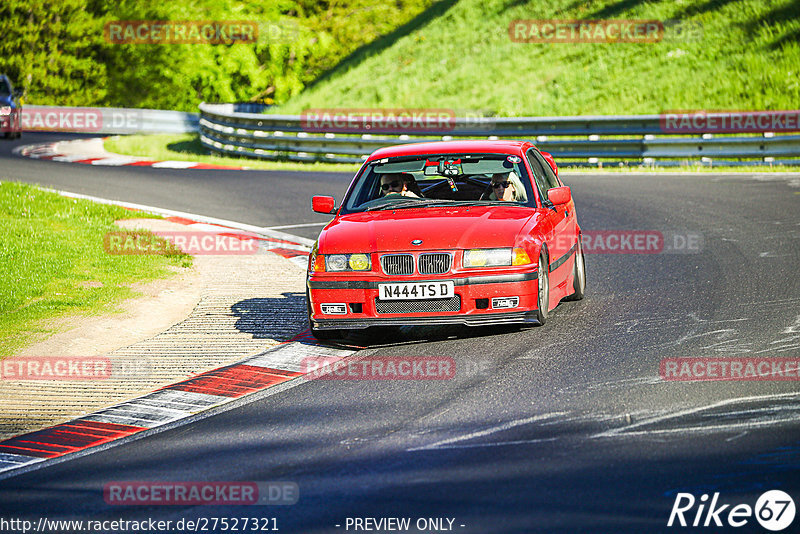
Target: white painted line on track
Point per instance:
(15, 461)
(114, 162)
(304, 225)
(200, 218)
(630, 429)
(174, 164)
(70, 159)
(481, 433)
(494, 444)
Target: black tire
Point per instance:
(543, 291)
(321, 335)
(578, 274)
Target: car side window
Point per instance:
(549, 175)
(538, 174)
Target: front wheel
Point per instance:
(543, 292)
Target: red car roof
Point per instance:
(452, 147)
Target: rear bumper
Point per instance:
(360, 298)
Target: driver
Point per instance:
(400, 183)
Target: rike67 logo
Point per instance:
(774, 510)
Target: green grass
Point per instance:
(457, 55)
(53, 263)
(187, 147)
(747, 57)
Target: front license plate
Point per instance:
(416, 290)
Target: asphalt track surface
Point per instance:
(565, 427)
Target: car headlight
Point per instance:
(496, 257)
(347, 262)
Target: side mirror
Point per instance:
(551, 161)
(320, 204)
(559, 195)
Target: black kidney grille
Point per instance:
(415, 306)
(433, 263)
(397, 264)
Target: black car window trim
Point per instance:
(367, 167)
(550, 176)
(538, 177)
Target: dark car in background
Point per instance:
(10, 109)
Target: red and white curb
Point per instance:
(53, 152)
(179, 403)
(292, 247)
(168, 407)
(295, 252)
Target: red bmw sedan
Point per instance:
(456, 232)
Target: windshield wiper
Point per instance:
(434, 203)
(442, 202)
(395, 205)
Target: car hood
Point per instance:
(438, 228)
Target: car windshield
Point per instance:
(448, 179)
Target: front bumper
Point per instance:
(487, 319)
(475, 294)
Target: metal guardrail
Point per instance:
(156, 121)
(284, 137)
(107, 120)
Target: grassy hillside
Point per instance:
(58, 53)
(746, 56)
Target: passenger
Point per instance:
(401, 183)
(505, 187)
